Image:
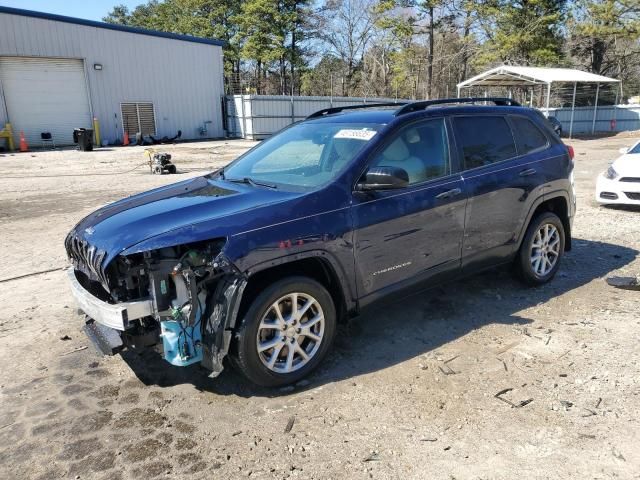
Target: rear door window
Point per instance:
(484, 139)
(528, 136)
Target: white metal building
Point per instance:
(57, 73)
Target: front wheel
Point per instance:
(541, 250)
(286, 332)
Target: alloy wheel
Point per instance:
(290, 332)
(545, 249)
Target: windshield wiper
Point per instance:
(252, 182)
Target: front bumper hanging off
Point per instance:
(111, 327)
(116, 316)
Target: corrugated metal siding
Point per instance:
(626, 117)
(183, 80)
(258, 116)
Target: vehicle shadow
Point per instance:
(410, 326)
(624, 208)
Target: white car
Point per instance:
(620, 184)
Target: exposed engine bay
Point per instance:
(193, 292)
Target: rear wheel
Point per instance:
(286, 332)
(541, 250)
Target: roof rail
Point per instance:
(329, 111)
(416, 106)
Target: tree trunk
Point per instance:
(293, 60)
(597, 55)
(430, 67)
(283, 72)
(465, 39)
(347, 86)
(258, 72)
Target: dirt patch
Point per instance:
(140, 418)
(80, 449)
(152, 470)
(197, 467)
(47, 428)
(98, 373)
(183, 427)
(130, 398)
(107, 391)
(99, 462)
(92, 422)
(144, 450)
(185, 444)
(75, 389)
(165, 437)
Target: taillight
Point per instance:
(571, 152)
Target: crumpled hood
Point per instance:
(628, 165)
(130, 221)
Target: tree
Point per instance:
(401, 48)
(324, 78)
(604, 35)
(346, 28)
(296, 21)
(523, 32)
(272, 34)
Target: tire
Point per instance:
(286, 336)
(532, 271)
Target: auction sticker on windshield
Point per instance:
(355, 134)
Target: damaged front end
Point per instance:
(182, 301)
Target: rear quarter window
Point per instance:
(528, 136)
(484, 139)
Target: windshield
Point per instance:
(635, 148)
(306, 156)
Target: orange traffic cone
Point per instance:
(24, 147)
(125, 142)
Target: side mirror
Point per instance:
(624, 150)
(384, 178)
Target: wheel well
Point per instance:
(318, 269)
(557, 205)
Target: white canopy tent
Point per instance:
(514, 76)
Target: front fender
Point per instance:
(346, 283)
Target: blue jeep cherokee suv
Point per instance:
(260, 260)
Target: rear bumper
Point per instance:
(116, 316)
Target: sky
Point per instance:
(89, 9)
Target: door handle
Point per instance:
(527, 172)
(449, 193)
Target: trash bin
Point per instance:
(84, 138)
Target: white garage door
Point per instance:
(45, 95)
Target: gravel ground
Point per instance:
(409, 391)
